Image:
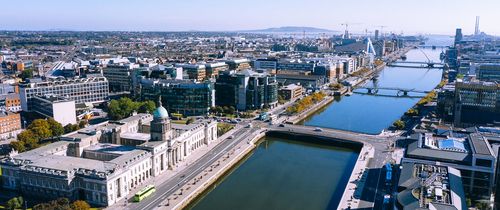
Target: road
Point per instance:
(176, 182)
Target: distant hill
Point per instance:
(290, 29)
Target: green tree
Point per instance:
(231, 110)
(219, 110)
(399, 124)
(147, 107)
(122, 108)
(28, 73)
(80, 205)
(15, 203)
(18, 146)
(55, 127)
(70, 128)
(82, 124)
(40, 128)
(482, 206)
(29, 138)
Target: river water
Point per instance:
(371, 113)
(284, 174)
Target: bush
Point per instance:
(399, 124)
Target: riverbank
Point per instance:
(195, 187)
(309, 111)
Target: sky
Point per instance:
(399, 16)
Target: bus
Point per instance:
(388, 175)
(147, 191)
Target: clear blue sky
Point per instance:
(410, 16)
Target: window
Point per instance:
(483, 163)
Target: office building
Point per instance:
(239, 64)
(310, 82)
(432, 187)
(266, 63)
(184, 97)
(82, 90)
(246, 90)
(470, 153)
(489, 72)
(291, 92)
(477, 102)
(213, 69)
(101, 164)
(119, 76)
(195, 71)
(61, 109)
(10, 124)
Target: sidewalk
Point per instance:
(171, 173)
(354, 188)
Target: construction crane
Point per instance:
(381, 29)
(346, 24)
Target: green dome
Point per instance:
(161, 113)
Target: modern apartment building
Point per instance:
(81, 90)
(489, 72)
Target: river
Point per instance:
(284, 174)
(370, 113)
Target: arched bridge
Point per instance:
(405, 91)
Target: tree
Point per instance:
(219, 110)
(70, 128)
(147, 107)
(399, 124)
(18, 146)
(231, 110)
(122, 108)
(29, 139)
(82, 124)
(482, 206)
(80, 205)
(55, 127)
(28, 73)
(40, 128)
(15, 203)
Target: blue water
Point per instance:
(371, 114)
(284, 174)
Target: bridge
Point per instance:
(405, 91)
(432, 46)
(387, 95)
(421, 64)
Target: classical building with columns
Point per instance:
(103, 163)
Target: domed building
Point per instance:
(161, 128)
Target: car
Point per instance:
(248, 126)
(387, 198)
(281, 125)
(231, 137)
(318, 129)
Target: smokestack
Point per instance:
(476, 32)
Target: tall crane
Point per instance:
(346, 33)
(381, 29)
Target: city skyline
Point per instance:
(440, 17)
